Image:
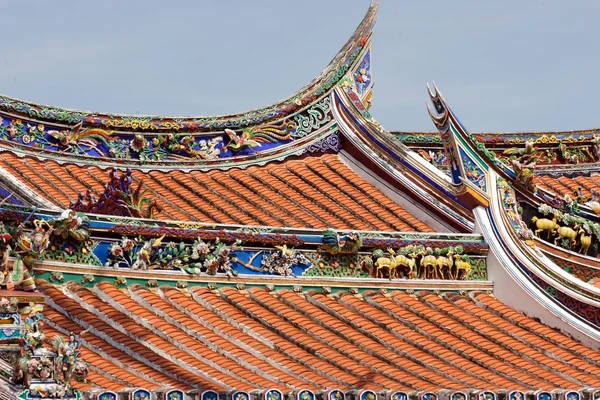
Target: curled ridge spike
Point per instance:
(440, 118)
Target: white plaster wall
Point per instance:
(511, 293)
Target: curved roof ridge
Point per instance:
(334, 71)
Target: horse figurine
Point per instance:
(585, 241)
(385, 263)
(461, 266)
(443, 261)
(408, 261)
(544, 224)
(564, 232)
(429, 265)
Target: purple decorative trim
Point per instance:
(331, 142)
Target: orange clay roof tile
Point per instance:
(289, 340)
(314, 192)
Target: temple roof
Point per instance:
(311, 192)
(233, 339)
(327, 79)
(563, 185)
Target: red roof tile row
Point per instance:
(312, 192)
(564, 185)
(246, 340)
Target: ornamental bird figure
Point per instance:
(526, 154)
(76, 137)
(253, 137)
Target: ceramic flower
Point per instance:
(138, 143)
(116, 250)
(128, 244)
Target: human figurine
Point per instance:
(67, 357)
(34, 336)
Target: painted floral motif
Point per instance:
(362, 75)
(473, 173)
(152, 283)
(107, 396)
(75, 140)
(437, 158)
(281, 262)
(195, 258)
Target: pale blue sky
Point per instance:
(506, 65)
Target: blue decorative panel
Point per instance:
(273, 394)
(305, 395)
(362, 75)
(336, 395)
(473, 173)
(596, 395)
(106, 396)
(487, 396)
(178, 395)
(451, 156)
(140, 394)
(368, 395)
(429, 396)
(240, 396)
(399, 396)
(11, 332)
(458, 396)
(208, 395)
(516, 395)
(572, 396)
(544, 396)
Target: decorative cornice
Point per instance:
(328, 78)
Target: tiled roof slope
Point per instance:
(312, 192)
(564, 185)
(256, 339)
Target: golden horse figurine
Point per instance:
(408, 261)
(544, 224)
(585, 241)
(444, 261)
(461, 266)
(429, 266)
(385, 263)
(564, 232)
